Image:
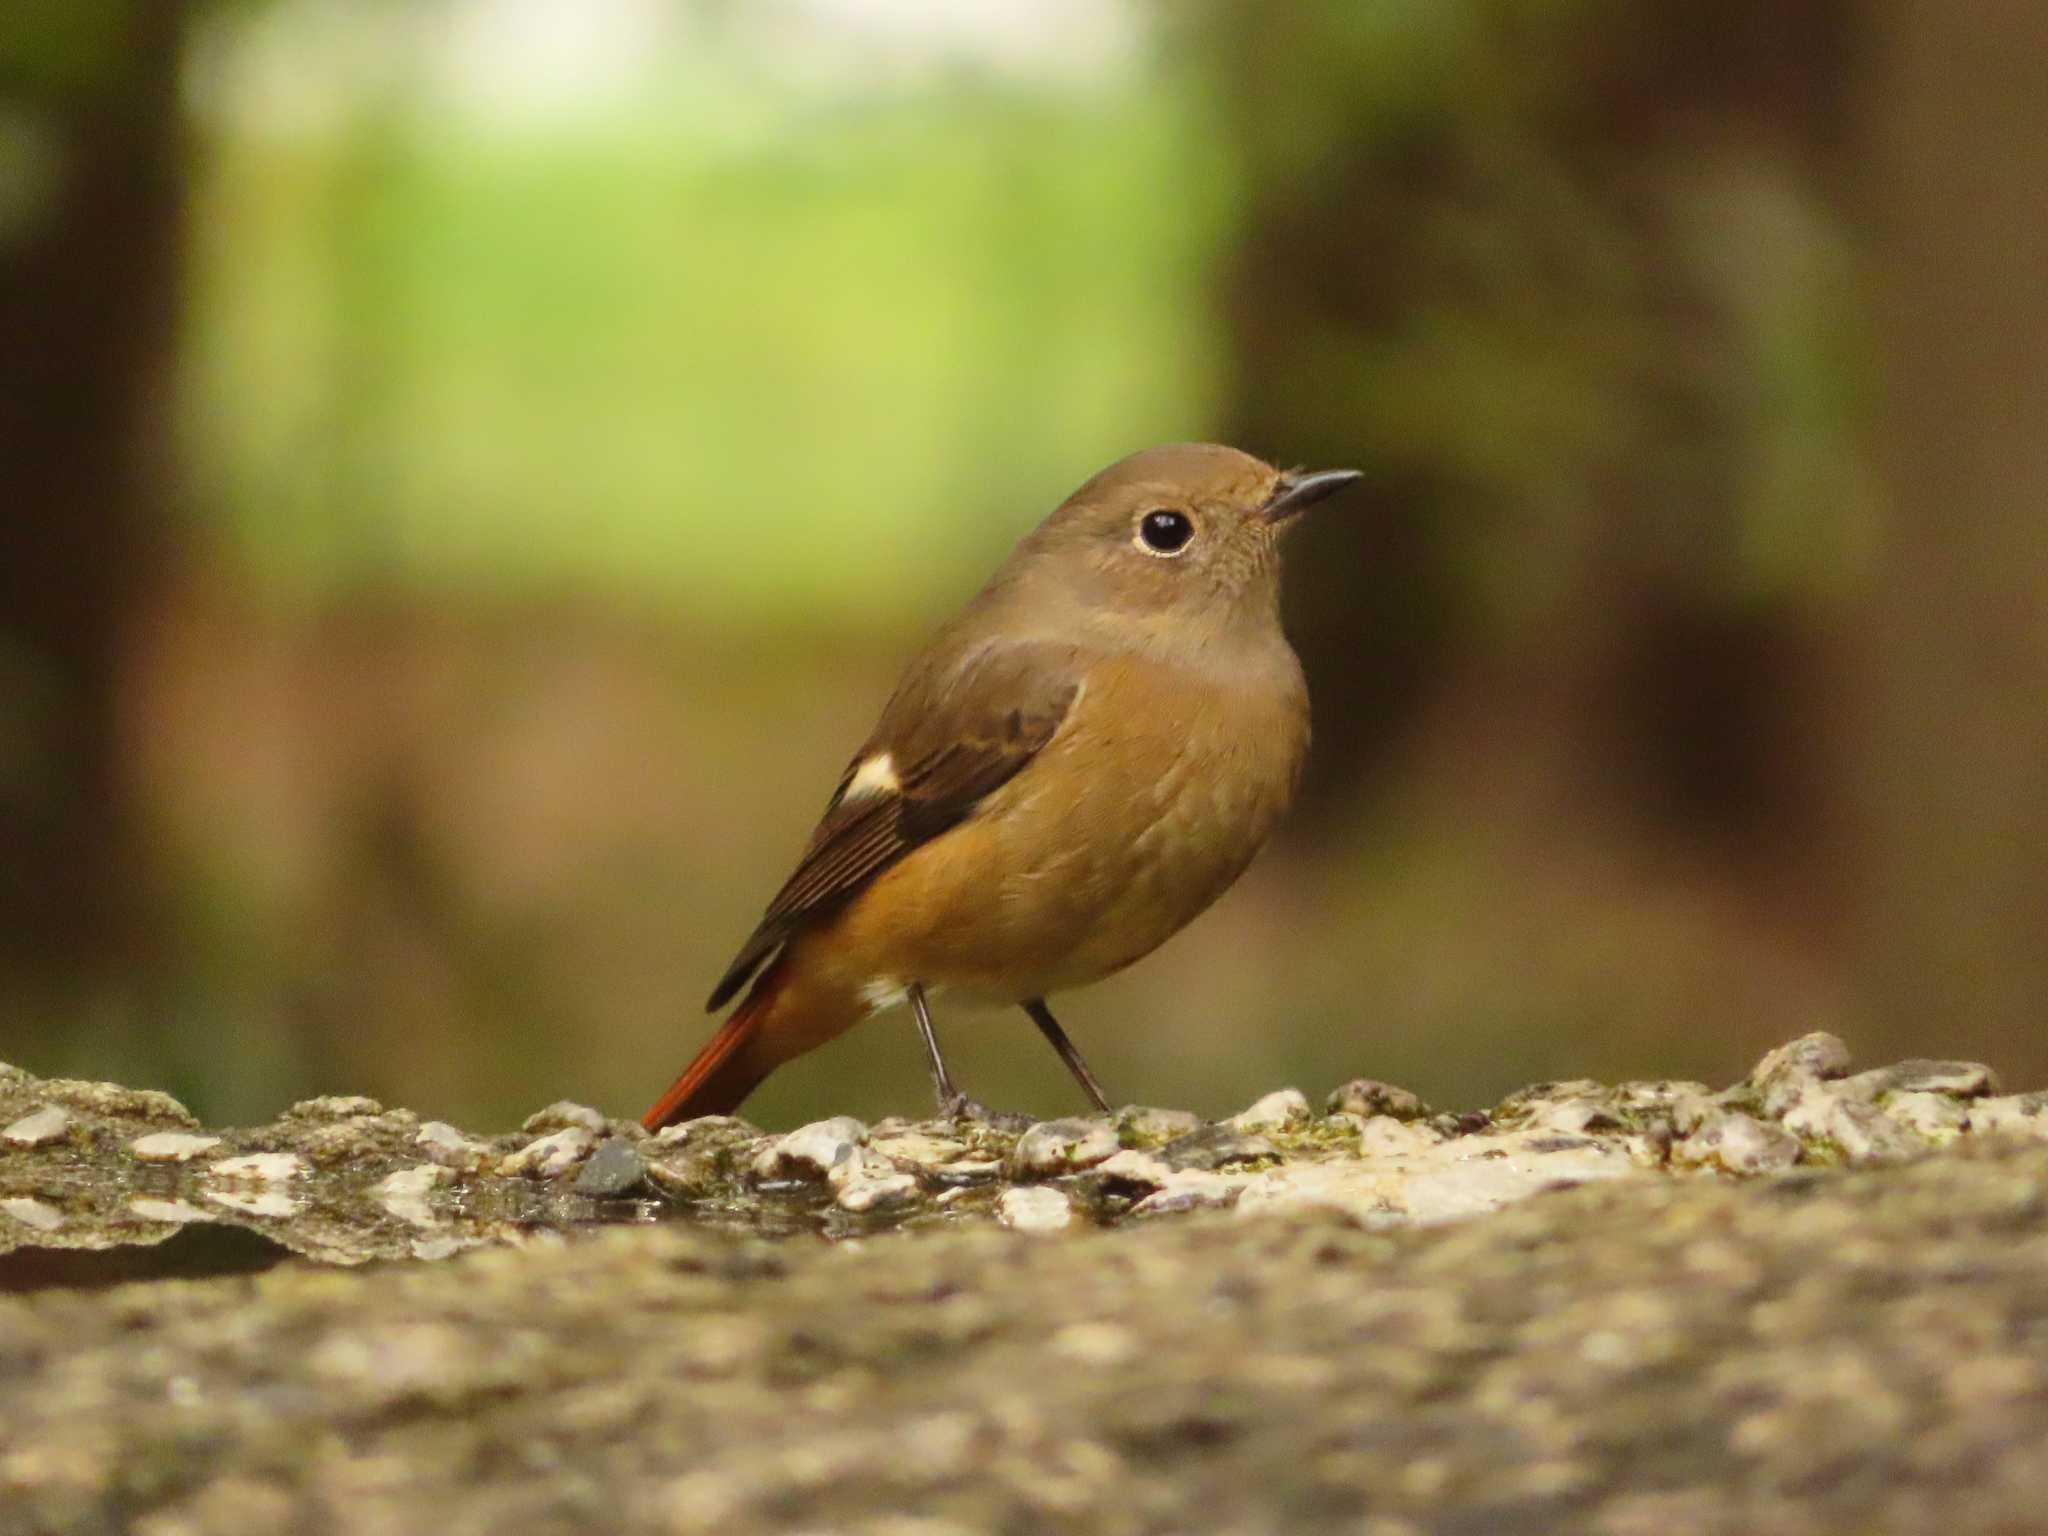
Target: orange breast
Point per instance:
(1151, 800)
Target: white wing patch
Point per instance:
(883, 992)
(876, 776)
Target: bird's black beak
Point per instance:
(1298, 492)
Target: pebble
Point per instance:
(562, 1114)
(1054, 1147)
(1737, 1143)
(404, 1193)
(1276, 1111)
(703, 1126)
(811, 1151)
(1035, 1209)
(1861, 1133)
(1131, 1166)
(354, 1137)
(1940, 1117)
(1964, 1079)
(1367, 1097)
(918, 1149)
(33, 1213)
(334, 1106)
(551, 1156)
(868, 1182)
(171, 1146)
(2024, 1114)
(116, 1102)
(1783, 1074)
(614, 1168)
(1146, 1126)
(444, 1144)
(1216, 1146)
(1388, 1136)
(37, 1127)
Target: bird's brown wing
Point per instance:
(953, 733)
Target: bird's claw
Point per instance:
(960, 1107)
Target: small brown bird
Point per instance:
(1082, 760)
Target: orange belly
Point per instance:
(1128, 825)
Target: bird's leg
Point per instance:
(953, 1104)
(949, 1097)
(1057, 1037)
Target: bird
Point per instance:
(1078, 764)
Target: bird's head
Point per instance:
(1184, 537)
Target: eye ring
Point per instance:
(1164, 533)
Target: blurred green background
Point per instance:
(472, 469)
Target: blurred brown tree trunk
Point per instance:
(1954, 785)
(88, 284)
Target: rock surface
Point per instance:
(1811, 1302)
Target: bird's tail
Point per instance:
(725, 1071)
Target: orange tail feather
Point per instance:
(724, 1072)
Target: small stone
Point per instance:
(2022, 1114)
(561, 1115)
(1276, 1111)
(1858, 1131)
(1053, 1147)
(334, 1106)
(1940, 1117)
(549, 1157)
(259, 1167)
(1737, 1143)
(1140, 1126)
(1216, 1146)
(1366, 1097)
(116, 1102)
(1580, 1115)
(37, 1127)
(811, 1151)
(445, 1145)
(32, 1213)
(1962, 1079)
(917, 1148)
(1034, 1208)
(873, 1184)
(404, 1193)
(707, 1127)
(1130, 1166)
(1783, 1074)
(1542, 1099)
(1192, 1189)
(356, 1138)
(1662, 1095)
(177, 1211)
(969, 1170)
(171, 1146)
(614, 1168)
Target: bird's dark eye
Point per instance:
(1162, 532)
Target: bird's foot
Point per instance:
(960, 1107)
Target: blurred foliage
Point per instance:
(580, 411)
(751, 378)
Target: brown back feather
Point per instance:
(954, 734)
